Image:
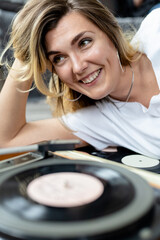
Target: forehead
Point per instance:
(68, 27)
(71, 19)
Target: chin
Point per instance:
(100, 97)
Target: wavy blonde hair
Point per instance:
(27, 39)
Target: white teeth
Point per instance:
(92, 77)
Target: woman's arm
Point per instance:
(14, 130)
(12, 105)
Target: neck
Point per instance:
(124, 93)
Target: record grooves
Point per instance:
(119, 213)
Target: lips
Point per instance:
(92, 77)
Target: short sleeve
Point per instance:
(147, 39)
(84, 125)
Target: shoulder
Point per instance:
(151, 23)
(148, 35)
(152, 20)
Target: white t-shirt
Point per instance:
(132, 125)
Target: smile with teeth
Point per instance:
(92, 77)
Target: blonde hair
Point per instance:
(27, 40)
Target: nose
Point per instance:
(79, 64)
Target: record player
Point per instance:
(46, 196)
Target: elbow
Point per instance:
(4, 144)
(7, 143)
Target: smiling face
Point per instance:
(83, 56)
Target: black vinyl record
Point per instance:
(125, 205)
(133, 159)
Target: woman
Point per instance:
(105, 91)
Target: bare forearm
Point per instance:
(14, 131)
(12, 105)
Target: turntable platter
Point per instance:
(118, 210)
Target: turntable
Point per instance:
(52, 197)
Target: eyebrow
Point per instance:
(77, 37)
(74, 40)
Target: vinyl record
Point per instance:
(130, 158)
(118, 210)
(140, 161)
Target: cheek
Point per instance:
(99, 54)
(64, 74)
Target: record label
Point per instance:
(66, 189)
(139, 161)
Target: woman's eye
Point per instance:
(58, 59)
(84, 42)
